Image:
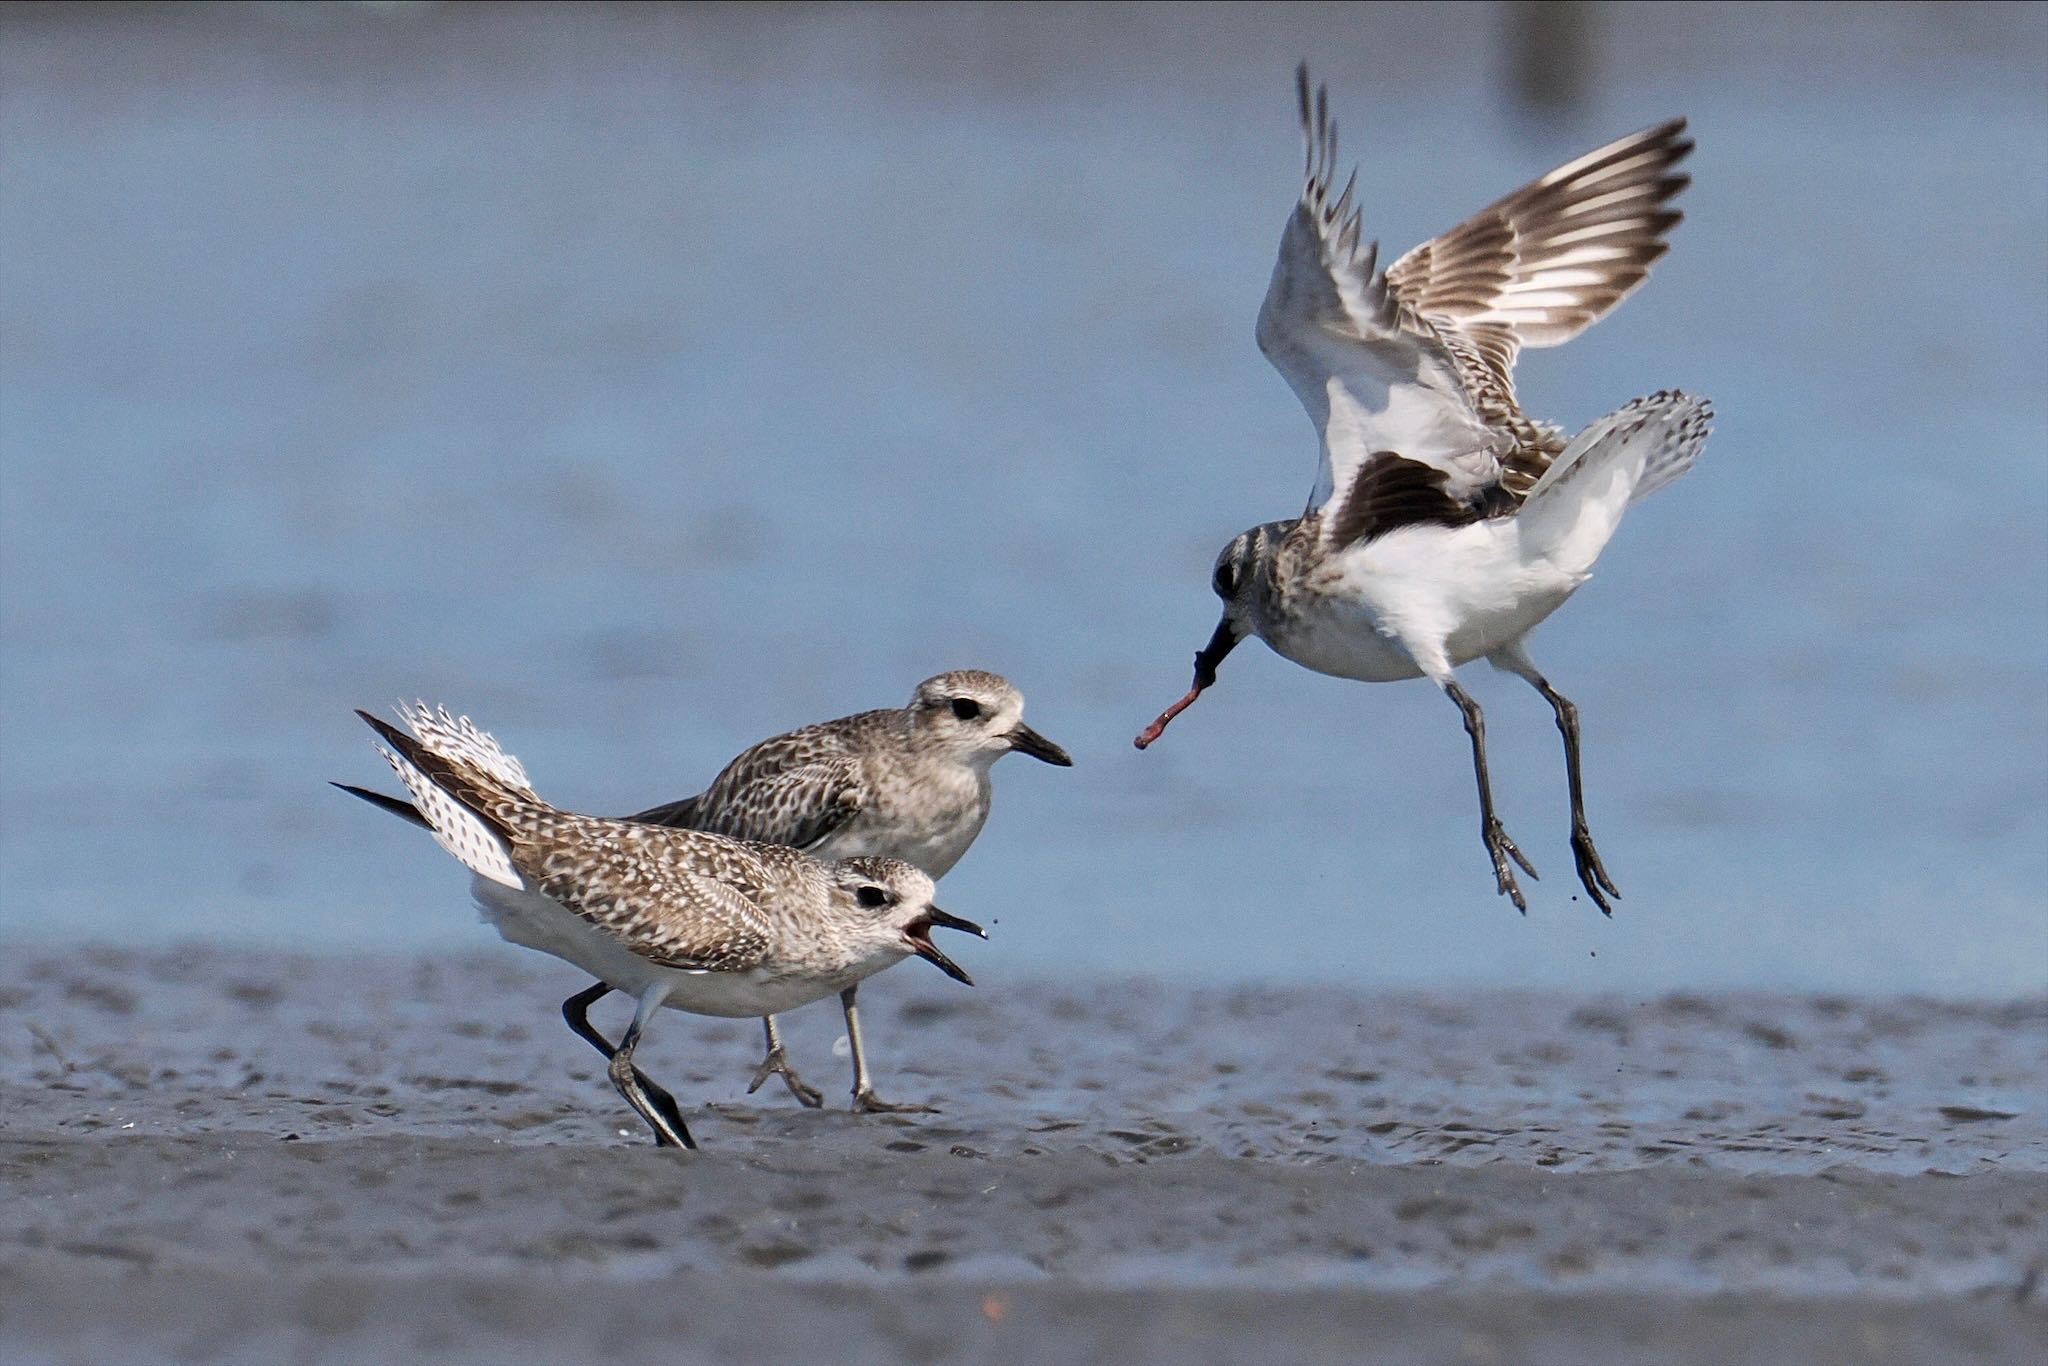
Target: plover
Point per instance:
(909, 783)
(1445, 523)
(679, 918)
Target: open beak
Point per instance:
(919, 932)
(1028, 741)
(1206, 659)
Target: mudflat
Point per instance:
(252, 1157)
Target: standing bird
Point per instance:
(909, 784)
(677, 918)
(1445, 523)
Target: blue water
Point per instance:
(645, 382)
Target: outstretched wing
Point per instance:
(1553, 258)
(1541, 265)
(1371, 376)
(1416, 362)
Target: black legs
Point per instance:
(1591, 871)
(1498, 846)
(653, 1103)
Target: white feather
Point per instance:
(460, 740)
(456, 828)
(1573, 510)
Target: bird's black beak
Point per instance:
(953, 922)
(919, 932)
(1206, 659)
(1028, 741)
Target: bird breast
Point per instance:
(927, 816)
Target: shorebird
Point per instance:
(678, 918)
(1445, 523)
(909, 783)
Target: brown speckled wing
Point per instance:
(800, 807)
(794, 789)
(675, 898)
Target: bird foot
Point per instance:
(1592, 872)
(660, 1115)
(665, 1137)
(866, 1102)
(1500, 848)
(777, 1063)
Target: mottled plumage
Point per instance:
(1416, 361)
(696, 921)
(1445, 523)
(909, 783)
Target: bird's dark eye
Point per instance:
(966, 708)
(1226, 579)
(872, 897)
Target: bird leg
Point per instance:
(777, 1061)
(865, 1101)
(647, 1098)
(576, 1010)
(623, 1074)
(1498, 846)
(1592, 872)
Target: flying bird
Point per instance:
(1446, 523)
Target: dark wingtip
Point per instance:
(397, 806)
(383, 727)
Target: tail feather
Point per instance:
(1669, 427)
(450, 798)
(404, 810)
(1572, 511)
(461, 741)
(1673, 457)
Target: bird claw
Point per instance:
(777, 1062)
(1592, 872)
(1501, 849)
(868, 1103)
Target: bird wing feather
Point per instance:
(645, 885)
(1417, 360)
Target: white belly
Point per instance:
(742, 995)
(1340, 638)
(1416, 594)
(931, 834)
(537, 922)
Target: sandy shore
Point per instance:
(234, 1156)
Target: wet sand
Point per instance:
(212, 1155)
